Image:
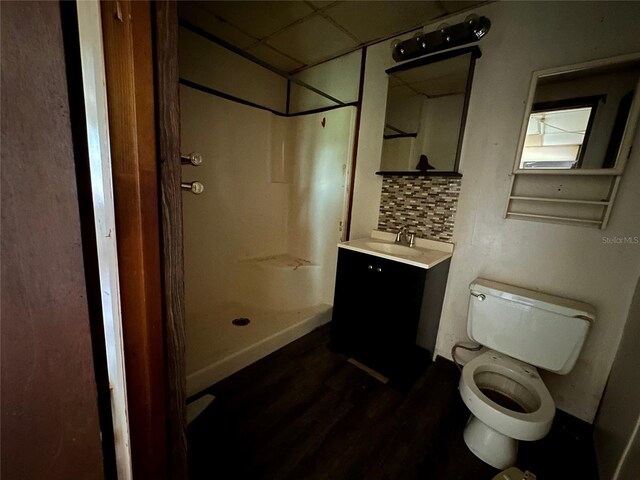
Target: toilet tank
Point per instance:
(542, 330)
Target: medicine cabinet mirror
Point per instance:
(577, 118)
(576, 137)
(426, 112)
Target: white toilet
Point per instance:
(523, 330)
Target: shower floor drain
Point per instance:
(241, 322)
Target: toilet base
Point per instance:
(489, 445)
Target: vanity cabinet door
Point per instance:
(354, 302)
(376, 311)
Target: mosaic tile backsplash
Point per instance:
(425, 205)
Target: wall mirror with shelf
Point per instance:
(577, 117)
(576, 137)
(426, 112)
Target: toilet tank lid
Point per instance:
(544, 301)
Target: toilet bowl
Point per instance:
(523, 330)
(508, 402)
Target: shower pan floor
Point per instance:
(216, 348)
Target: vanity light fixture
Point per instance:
(446, 36)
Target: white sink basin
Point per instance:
(393, 249)
(426, 253)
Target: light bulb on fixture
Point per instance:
(472, 21)
(472, 29)
(420, 39)
(478, 26)
(397, 48)
(444, 30)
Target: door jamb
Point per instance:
(99, 155)
(165, 43)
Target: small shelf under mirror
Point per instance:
(429, 173)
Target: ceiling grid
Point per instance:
(293, 36)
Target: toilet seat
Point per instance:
(523, 384)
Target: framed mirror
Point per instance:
(576, 137)
(580, 119)
(426, 112)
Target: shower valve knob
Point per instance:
(194, 187)
(193, 158)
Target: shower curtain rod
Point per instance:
(203, 33)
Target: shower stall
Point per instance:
(260, 240)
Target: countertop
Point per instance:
(431, 252)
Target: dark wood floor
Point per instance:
(305, 413)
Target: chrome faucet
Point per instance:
(404, 237)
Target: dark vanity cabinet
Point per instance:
(378, 306)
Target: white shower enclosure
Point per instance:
(261, 241)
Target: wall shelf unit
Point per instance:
(573, 200)
(551, 182)
(561, 200)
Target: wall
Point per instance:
(322, 148)
(368, 185)
(617, 440)
(211, 65)
(264, 232)
(274, 186)
(50, 424)
(338, 77)
(242, 213)
(570, 261)
(245, 213)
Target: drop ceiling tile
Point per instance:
(194, 12)
(383, 19)
(319, 4)
(273, 57)
(313, 40)
(452, 6)
(260, 19)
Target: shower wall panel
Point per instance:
(322, 149)
(213, 66)
(260, 241)
(241, 214)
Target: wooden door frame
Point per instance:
(100, 186)
(165, 45)
(128, 59)
(128, 54)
